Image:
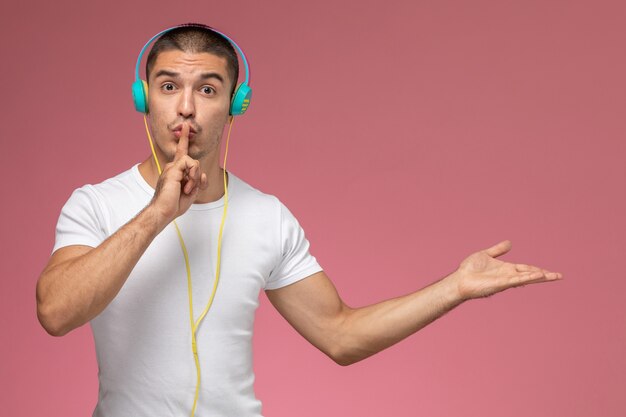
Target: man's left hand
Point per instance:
(482, 275)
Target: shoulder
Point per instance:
(92, 191)
(125, 189)
(85, 218)
(126, 180)
(121, 195)
(265, 208)
(248, 195)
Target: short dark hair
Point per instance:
(196, 38)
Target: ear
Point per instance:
(146, 87)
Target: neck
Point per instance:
(214, 173)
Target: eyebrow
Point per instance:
(203, 76)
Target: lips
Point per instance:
(178, 134)
(178, 130)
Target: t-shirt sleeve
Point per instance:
(81, 221)
(295, 261)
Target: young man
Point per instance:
(117, 261)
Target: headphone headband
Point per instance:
(241, 96)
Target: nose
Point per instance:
(186, 106)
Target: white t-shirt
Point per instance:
(143, 337)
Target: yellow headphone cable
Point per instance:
(194, 326)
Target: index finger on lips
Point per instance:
(183, 142)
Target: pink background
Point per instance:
(404, 136)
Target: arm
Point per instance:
(80, 281)
(348, 335)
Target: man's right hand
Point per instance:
(179, 183)
(80, 281)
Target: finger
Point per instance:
(183, 142)
(499, 249)
(536, 269)
(195, 176)
(191, 181)
(189, 186)
(192, 195)
(526, 268)
(551, 276)
(183, 166)
(535, 277)
(204, 182)
(525, 279)
(191, 189)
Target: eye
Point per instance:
(208, 89)
(168, 87)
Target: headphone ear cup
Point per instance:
(140, 96)
(241, 99)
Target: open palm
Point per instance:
(482, 275)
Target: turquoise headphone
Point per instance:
(241, 96)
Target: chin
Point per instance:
(197, 155)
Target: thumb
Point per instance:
(499, 249)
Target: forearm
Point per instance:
(75, 291)
(368, 330)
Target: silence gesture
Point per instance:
(180, 182)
